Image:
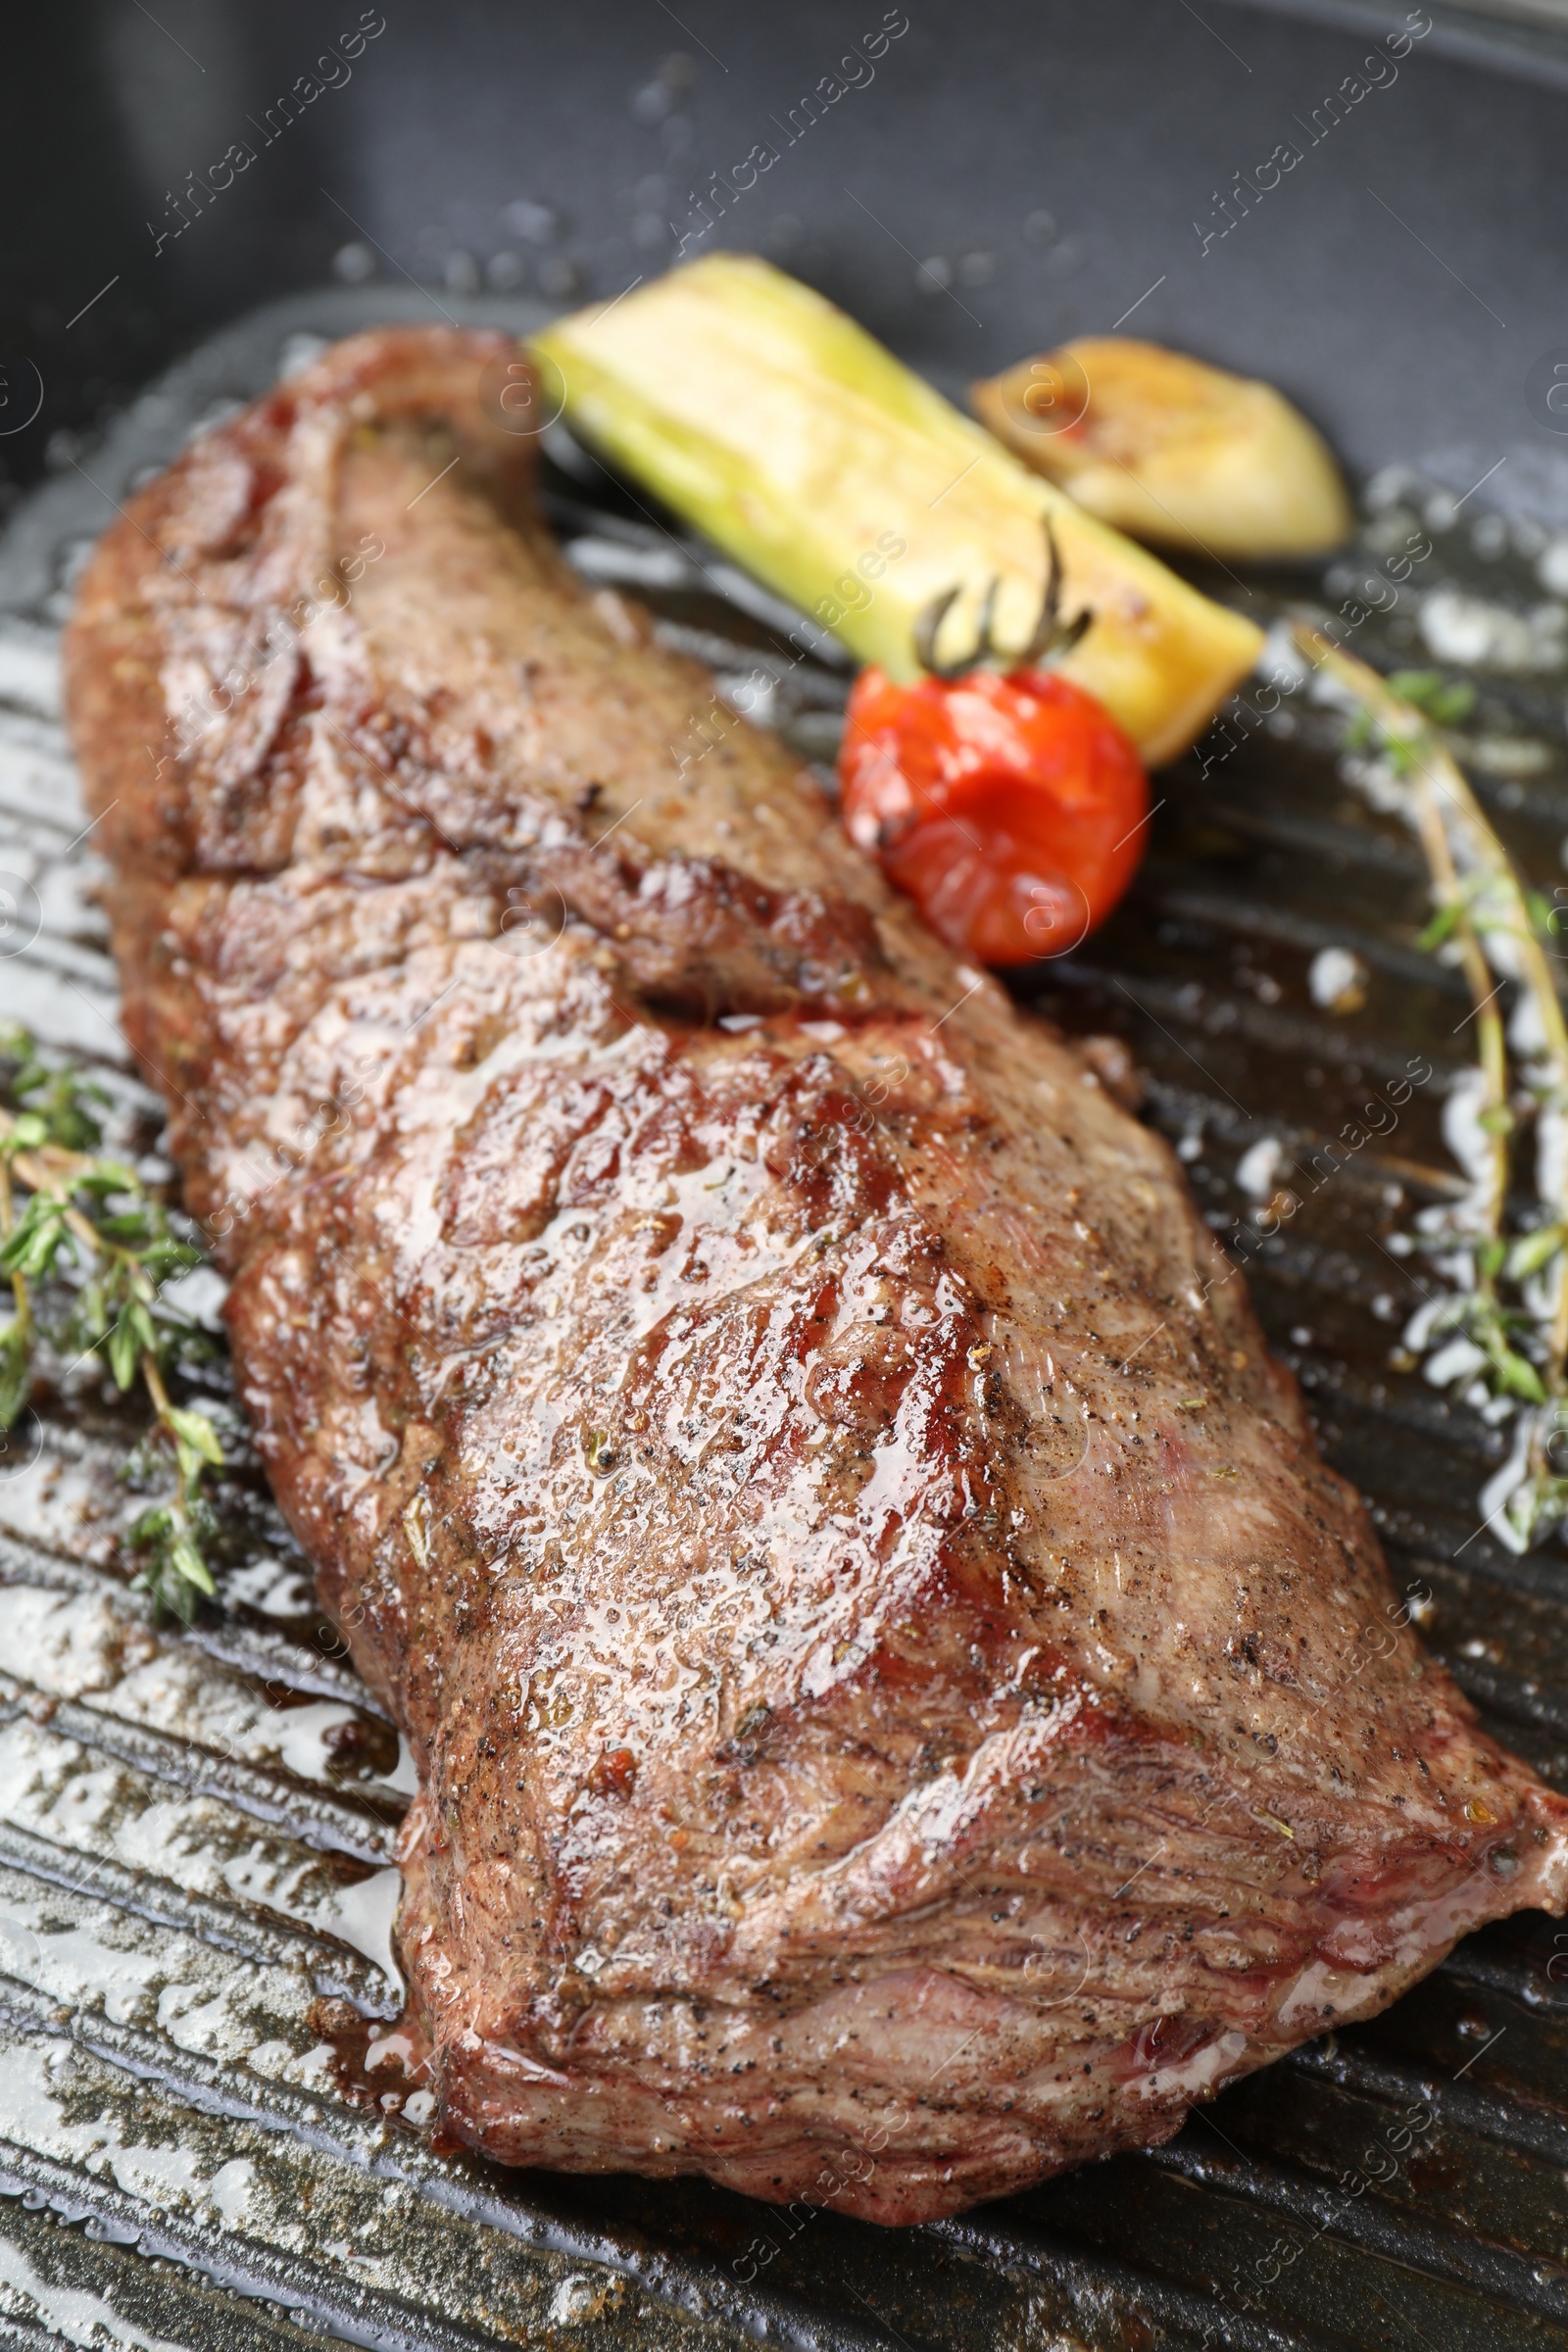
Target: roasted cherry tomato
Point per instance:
(1009, 806)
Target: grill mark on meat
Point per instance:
(900, 1704)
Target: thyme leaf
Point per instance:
(1446, 701)
(1503, 1332)
(65, 1203)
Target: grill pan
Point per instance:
(195, 1827)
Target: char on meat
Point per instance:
(901, 1705)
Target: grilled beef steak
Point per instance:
(900, 1706)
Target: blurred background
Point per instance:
(997, 178)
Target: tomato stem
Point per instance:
(1051, 639)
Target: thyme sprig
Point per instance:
(1509, 1300)
(66, 1203)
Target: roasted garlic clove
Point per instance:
(1170, 450)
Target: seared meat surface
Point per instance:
(900, 1706)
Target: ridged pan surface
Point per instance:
(195, 1827)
